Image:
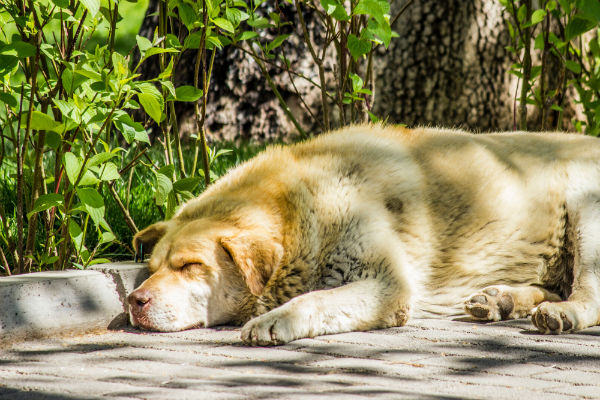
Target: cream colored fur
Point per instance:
(358, 229)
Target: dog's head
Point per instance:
(202, 270)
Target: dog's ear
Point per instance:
(144, 241)
(256, 256)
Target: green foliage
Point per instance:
(78, 172)
(351, 29)
(567, 32)
(66, 112)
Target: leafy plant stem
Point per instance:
(317, 61)
(282, 102)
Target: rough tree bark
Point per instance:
(447, 68)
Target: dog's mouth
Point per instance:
(144, 323)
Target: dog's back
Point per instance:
(472, 210)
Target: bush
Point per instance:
(563, 33)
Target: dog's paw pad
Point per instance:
(491, 304)
(552, 318)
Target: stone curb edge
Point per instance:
(53, 303)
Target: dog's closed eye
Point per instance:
(189, 266)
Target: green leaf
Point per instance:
(101, 260)
(186, 14)
(108, 172)
(99, 159)
(336, 9)
(589, 9)
(246, 35)
(258, 22)
(167, 170)
(171, 204)
(521, 14)
(152, 104)
(7, 63)
(53, 140)
(278, 41)
(234, 15)
(224, 24)
(164, 186)
(169, 86)
(76, 235)
(537, 16)
(131, 130)
(377, 9)
(40, 121)
(187, 184)
(93, 6)
(167, 72)
(173, 41)
(45, 202)
(107, 237)
(357, 82)
(215, 41)
(72, 166)
(23, 49)
(93, 203)
(7, 98)
(358, 47)
(61, 3)
(539, 41)
(89, 74)
(64, 106)
(159, 50)
(187, 93)
(107, 14)
(573, 66)
(143, 43)
(577, 26)
(376, 30)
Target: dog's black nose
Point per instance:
(140, 298)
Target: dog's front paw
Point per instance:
(272, 328)
(554, 318)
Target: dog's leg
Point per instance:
(360, 305)
(501, 302)
(582, 308)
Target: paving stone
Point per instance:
(431, 359)
(576, 377)
(581, 391)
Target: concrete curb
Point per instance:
(52, 303)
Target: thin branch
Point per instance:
(319, 63)
(280, 98)
(402, 10)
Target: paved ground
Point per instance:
(428, 359)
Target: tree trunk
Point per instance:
(448, 67)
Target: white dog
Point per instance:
(356, 229)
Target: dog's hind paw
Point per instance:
(491, 304)
(554, 318)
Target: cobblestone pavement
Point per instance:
(427, 359)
